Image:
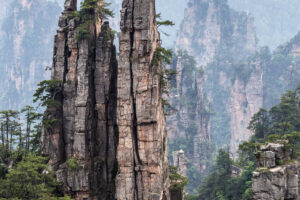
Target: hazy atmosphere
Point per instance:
(150, 99)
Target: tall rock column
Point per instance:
(82, 139)
(141, 154)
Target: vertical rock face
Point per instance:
(108, 137)
(142, 145)
(210, 25)
(26, 29)
(180, 161)
(245, 100)
(188, 126)
(220, 38)
(272, 180)
(82, 141)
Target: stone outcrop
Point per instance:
(246, 98)
(177, 185)
(142, 155)
(191, 116)
(180, 161)
(274, 180)
(107, 137)
(82, 142)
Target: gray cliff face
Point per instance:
(190, 121)
(108, 140)
(246, 98)
(142, 155)
(210, 26)
(274, 181)
(85, 132)
(26, 42)
(180, 161)
(188, 117)
(219, 38)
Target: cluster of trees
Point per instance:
(19, 130)
(23, 170)
(24, 173)
(280, 122)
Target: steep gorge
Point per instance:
(213, 102)
(239, 78)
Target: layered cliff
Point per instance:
(25, 48)
(188, 119)
(216, 103)
(82, 141)
(107, 137)
(276, 176)
(142, 149)
(211, 26)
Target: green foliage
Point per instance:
(29, 179)
(162, 55)
(163, 23)
(259, 124)
(281, 122)
(222, 185)
(73, 164)
(178, 182)
(47, 92)
(294, 144)
(281, 119)
(90, 13)
(242, 72)
(23, 173)
(273, 137)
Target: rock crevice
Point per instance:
(108, 140)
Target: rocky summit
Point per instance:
(108, 137)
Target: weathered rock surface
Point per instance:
(272, 181)
(108, 140)
(246, 98)
(180, 161)
(142, 155)
(188, 121)
(85, 132)
(218, 37)
(211, 25)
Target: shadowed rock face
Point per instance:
(108, 140)
(85, 132)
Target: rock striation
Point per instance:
(190, 121)
(219, 38)
(82, 142)
(209, 26)
(141, 153)
(107, 137)
(274, 180)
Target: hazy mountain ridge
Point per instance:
(27, 35)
